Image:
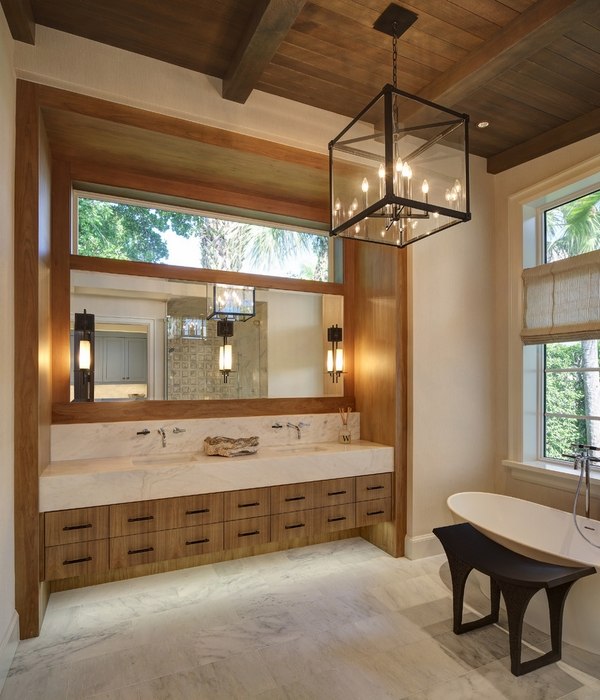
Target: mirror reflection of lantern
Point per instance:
(83, 346)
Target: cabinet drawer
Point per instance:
(248, 503)
(189, 541)
(248, 532)
(376, 511)
(77, 525)
(142, 516)
(77, 559)
(199, 510)
(373, 486)
(131, 550)
(336, 491)
(289, 526)
(334, 518)
(292, 497)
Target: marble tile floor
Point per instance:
(341, 620)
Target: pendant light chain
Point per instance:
(395, 56)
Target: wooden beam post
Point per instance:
(271, 22)
(19, 16)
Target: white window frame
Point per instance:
(525, 363)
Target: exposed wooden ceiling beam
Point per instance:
(272, 21)
(563, 135)
(541, 24)
(19, 16)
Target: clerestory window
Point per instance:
(122, 229)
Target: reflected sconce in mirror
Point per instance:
(230, 302)
(83, 347)
(225, 330)
(335, 354)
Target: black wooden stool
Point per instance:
(517, 577)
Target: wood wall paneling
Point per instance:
(380, 370)
(31, 411)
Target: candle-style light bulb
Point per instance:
(354, 206)
(365, 188)
(425, 190)
(406, 171)
(381, 173)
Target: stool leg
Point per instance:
(517, 598)
(556, 604)
(459, 571)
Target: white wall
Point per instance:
(73, 63)
(8, 616)
(295, 332)
(451, 427)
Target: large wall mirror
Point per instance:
(153, 340)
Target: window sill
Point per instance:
(551, 475)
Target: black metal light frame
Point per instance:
(83, 379)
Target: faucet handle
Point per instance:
(177, 430)
(277, 426)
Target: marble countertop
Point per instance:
(92, 482)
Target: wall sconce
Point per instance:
(335, 354)
(83, 348)
(231, 303)
(225, 330)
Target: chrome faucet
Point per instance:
(298, 427)
(163, 435)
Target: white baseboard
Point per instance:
(422, 546)
(8, 647)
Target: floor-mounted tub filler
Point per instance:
(549, 535)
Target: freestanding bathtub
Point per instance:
(547, 534)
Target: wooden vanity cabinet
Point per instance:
(75, 542)
(373, 499)
(93, 540)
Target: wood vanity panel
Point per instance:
(189, 541)
(371, 486)
(132, 550)
(290, 526)
(143, 516)
(76, 559)
(374, 511)
(336, 491)
(247, 532)
(76, 525)
(199, 510)
(247, 503)
(292, 497)
(334, 518)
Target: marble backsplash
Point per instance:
(99, 440)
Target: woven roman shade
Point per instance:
(561, 300)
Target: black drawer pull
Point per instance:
(375, 488)
(292, 527)
(142, 517)
(295, 498)
(247, 534)
(375, 512)
(336, 493)
(200, 510)
(76, 527)
(334, 520)
(76, 561)
(248, 505)
(204, 541)
(140, 551)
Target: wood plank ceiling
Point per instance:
(530, 68)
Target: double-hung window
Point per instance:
(561, 325)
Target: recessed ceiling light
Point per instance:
(482, 125)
